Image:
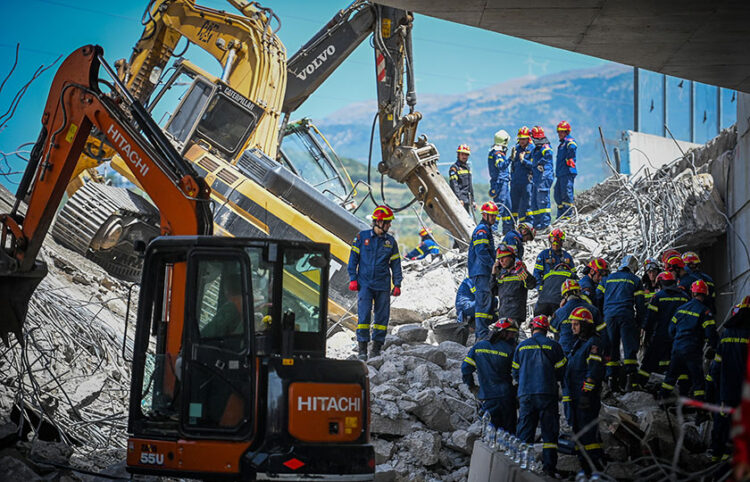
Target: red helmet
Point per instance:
(537, 132)
(675, 262)
(523, 133)
(563, 126)
(503, 324)
(425, 232)
(541, 321)
(744, 304)
(690, 257)
(582, 314)
(598, 265)
(568, 286)
(528, 228)
(463, 149)
(699, 286)
(666, 276)
(505, 250)
(490, 208)
(668, 254)
(382, 213)
(557, 234)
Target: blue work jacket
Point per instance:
(538, 365)
(565, 164)
(692, 325)
(585, 361)
(660, 310)
(481, 250)
(515, 239)
(492, 362)
(427, 246)
(372, 260)
(520, 164)
(547, 260)
(542, 156)
(560, 324)
(623, 296)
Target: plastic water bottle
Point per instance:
(518, 453)
(524, 456)
(485, 424)
(496, 443)
(509, 447)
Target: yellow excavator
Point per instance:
(268, 177)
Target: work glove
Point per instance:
(710, 353)
(353, 286)
(396, 291)
(540, 168)
(588, 386)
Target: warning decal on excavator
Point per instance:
(71, 133)
(380, 65)
(325, 412)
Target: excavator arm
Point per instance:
(74, 107)
(405, 158)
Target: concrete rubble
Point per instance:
(63, 400)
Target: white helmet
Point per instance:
(502, 138)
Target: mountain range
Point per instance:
(587, 98)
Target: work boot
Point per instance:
(614, 384)
(376, 347)
(362, 355)
(632, 382)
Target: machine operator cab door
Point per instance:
(210, 308)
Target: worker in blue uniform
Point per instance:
(692, 266)
(591, 281)
(523, 233)
(513, 284)
(550, 294)
(730, 366)
(651, 270)
(459, 178)
(491, 358)
(538, 367)
(685, 280)
(542, 170)
(657, 346)
(374, 257)
(623, 312)
(691, 327)
(481, 259)
(583, 380)
(552, 256)
(427, 245)
(498, 164)
(560, 321)
(565, 171)
(520, 178)
(465, 301)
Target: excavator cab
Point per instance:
(229, 369)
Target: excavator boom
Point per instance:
(74, 107)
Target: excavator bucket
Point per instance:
(16, 289)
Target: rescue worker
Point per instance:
(542, 177)
(668, 254)
(459, 178)
(692, 266)
(538, 367)
(623, 313)
(481, 259)
(552, 256)
(427, 245)
(583, 379)
(491, 358)
(691, 327)
(657, 346)
(650, 272)
(685, 280)
(513, 283)
(731, 364)
(572, 299)
(465, 301)
(523, 233)
(520, 178)
(498, 164)
(550, 294)
(373, 259)
(591, 282)
(565, 171)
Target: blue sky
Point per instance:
(449, 58)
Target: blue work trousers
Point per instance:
(656, 358)
(690, 363)
(366, 298)
(623, 329)
(584, 415)
(483, 305)
(520, 198)
(502, 412)
(533, 410)
(541, 213)
(564, 196)
(720, 434)
(502, 199)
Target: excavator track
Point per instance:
(102, 222)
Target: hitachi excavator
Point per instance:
(227, 126)
(229, 374)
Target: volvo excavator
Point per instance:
(228, 127)
(229, 375)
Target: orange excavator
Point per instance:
(229, 376)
